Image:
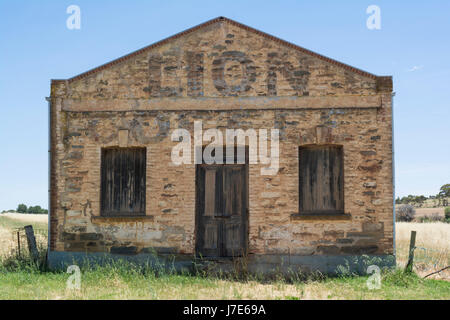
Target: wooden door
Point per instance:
(221, 216)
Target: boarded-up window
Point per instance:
(123, 181)
(321, 179)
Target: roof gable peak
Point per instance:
(222, 19)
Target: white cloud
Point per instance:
(415, 68)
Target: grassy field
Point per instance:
(428, 212)
(20, 280)
(124, 283)
(432, 247)
(10, 222)
(431, 203)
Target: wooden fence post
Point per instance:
(32, 243)
(18, 241)
(412, 246)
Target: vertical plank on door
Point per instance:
(235, 204)
(210, 196)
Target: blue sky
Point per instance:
(413, 46)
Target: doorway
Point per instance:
(222, 209)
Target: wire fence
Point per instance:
(19, 238)
(434, 257)
(429, 262)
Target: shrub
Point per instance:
(435, 217)
(405, 213)
(447, 213)
(12, 261)
(399, 278)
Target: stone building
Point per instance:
(322, 197)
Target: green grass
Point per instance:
(122, 280)
(395, 285)
(22, 279)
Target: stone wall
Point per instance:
(228, 76)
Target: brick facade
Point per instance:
(228, 76)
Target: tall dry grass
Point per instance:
(28, 218)
(11, 223)
(6, 241)
(427, 212)
(432, 246)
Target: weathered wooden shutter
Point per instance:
(321, 188)
(123, 181)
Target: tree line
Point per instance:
(22, 208)
(441, 197)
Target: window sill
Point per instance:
(121, 218)
(320, 216)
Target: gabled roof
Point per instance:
(232, 22)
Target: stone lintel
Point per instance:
(223, 103)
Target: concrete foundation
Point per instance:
(254, 263)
